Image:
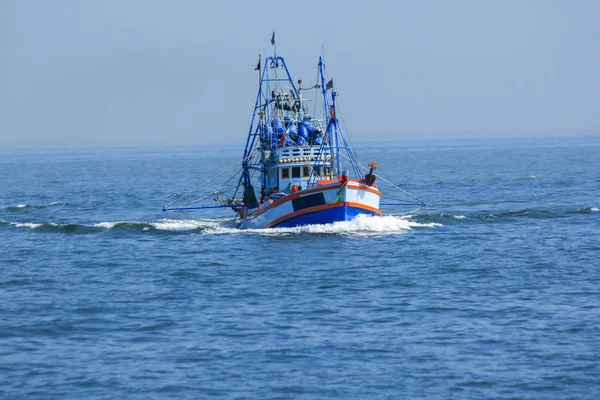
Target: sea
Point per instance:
(490, 291)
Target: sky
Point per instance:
(79, 73)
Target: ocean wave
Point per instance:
(24, 207)
(54, 227)
(441, 218)
(122, 225)
(526, 213)
(585, 210)
(362, 224)
(190, 224)
(501, 216)
(19, 208)
(29, 225)
(490, 217)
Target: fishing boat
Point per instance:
(298, 166)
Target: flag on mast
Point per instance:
(258, 65)
(273, 39)
(329, 84)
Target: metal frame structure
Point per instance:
(336, 140)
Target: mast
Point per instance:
(331, 120)
(245, 177)
(334, 127)
(264, 112)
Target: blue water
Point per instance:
(491, 291)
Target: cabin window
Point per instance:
(295, 172)
(305, 172)
(327, 171)
(285, 173)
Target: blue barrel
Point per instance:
(292, 131)
(303, 131)
(265, 129)
(287, 121)
(309, 127)
(277, 127)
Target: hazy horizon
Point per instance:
(137, 73)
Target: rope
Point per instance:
(408, 212)
(210, 180)
(256, 149)
(314, 84)
(315, 100)
(339, 110)
(214, 192)
(386, 181)
(341, 191)
(391, 184)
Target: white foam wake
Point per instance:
(164, 224)
(107, 225)
(362, 225)
(189, 224)
(30, 225)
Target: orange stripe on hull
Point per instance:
(305, 211)
(364, 207)
(324, 207)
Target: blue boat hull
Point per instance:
(327, 216)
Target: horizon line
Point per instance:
(38, 147)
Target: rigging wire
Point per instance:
(315, 84)
(339, 110)
(216, 192)
(256, 149)
(210, 180)
(408, 212)
(385, 180)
